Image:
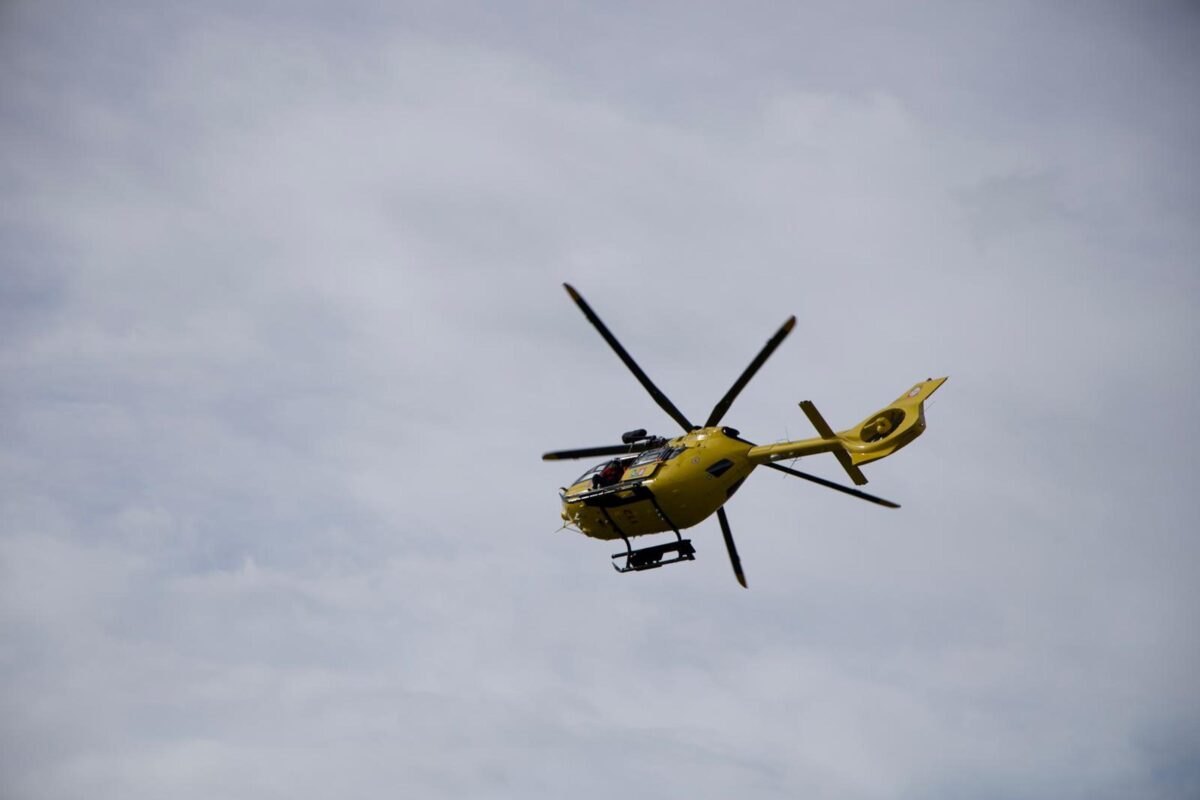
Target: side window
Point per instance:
(720, 468)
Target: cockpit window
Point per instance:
(647, 457)
(657, 454)
(587, 475)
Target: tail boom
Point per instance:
(876, 437)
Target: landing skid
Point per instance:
(653, 557)
(649, 557)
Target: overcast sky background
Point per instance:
(282, 338)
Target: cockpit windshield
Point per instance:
(587, 475)
(647, 457)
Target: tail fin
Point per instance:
(876, 437)
(889, 429)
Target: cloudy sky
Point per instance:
(282, 338)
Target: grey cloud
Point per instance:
(285, 337)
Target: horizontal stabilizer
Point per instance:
(840, 453)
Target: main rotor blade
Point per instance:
(731, 547)
(846, 489)
(588, 452)
(660, 398)
(720, 408)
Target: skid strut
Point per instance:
(654, 556)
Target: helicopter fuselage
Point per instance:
(674, 486)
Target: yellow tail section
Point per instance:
(876, 437)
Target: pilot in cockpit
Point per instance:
(609, 474)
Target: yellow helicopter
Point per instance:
(652, 484)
